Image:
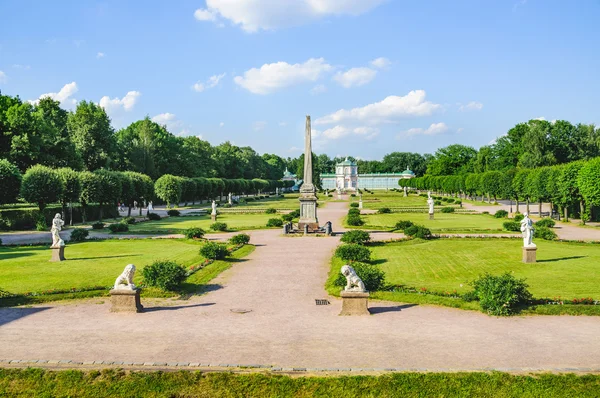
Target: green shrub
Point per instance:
(214, 251)
(501, 295)
(118, 227)
(295, 213)
(164, 274)
(219, 226)
(128, 220)
(458, 202)
(10, 181)
(372, 277)
(353, 252)
(384, 210)
(354, 211)
(354, 220)
(173, 213)
(240, 239)
(501, 214)
(22, 218)
(41, 224)
(450, 200)
(518, 217)
(274, 222)
(545, 223)
(271, 211)
(79, 235)
(437, 202)
(418, 231)
(444, 199)
(544, 233)
(287, 217)
(403, 224)
(353, 204)
(153, 216)
(356, 236)
(485, 212)
(194, 233)
(447, 210)
(98, 225)
(511, 226)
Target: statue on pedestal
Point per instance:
(430, 202)
(353, 282)
(527, 231)
(57, 224)
(125, 280)
(229, 199)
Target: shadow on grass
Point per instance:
(98, 257)
(379, 261)
(178, 307)
(396, 308)
(8, 315)
(192, 289)
(7, 256)
(551, 260)
(235, 260)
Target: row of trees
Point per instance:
(571, 187)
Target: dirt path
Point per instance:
(279, 283)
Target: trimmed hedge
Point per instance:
(79, 235)
(418, 231)
(118, 227)
(194, 233)
(511, 226)
(353, 204)
(218, 226)
(153, 217)
(166, 275)
(501, 295)
(501, 214)
(173, 213)
(240, 239)
(214, 251)
(27, 218)
(98, 225)
(353, 252)
(447, 210)
(544, 233)
(356, 236)
(403, 224)
(271, 211)
(545, 223)
(354, 220)
(372, 277)
(275, 222)
(384, 210)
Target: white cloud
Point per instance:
(368, 132)
(318, 89)
(272, 77)
(540, 118)
(221, 124)
(282, 124)
(434, 129)
(3, 77)
(199, 136)
(212, 81)
(164, 118)
(381, 63)
(336, 132)
(460, 130)
(391, 108)
(62, 96)
(471, 106)
(340, 131)
(100, 55)
(258, 126)
(127, 102)
(253, 15)
(295, 149)
(355, 77)
(19, 66)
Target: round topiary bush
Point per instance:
(447, 210)
(240, 239)
(295, 213)
(274, 222)
(384, 210)
(287, 217)
(501, 295)
(354, 204)
(194, 233)
(128, 220)
(450, 200)
(511, 226)
(354, 211)
(372, 277)
(271, 211)
(98, 225)
(544, 233)
(501, 214)
(518, 217)
(354, 220)
(218, 226)
(546, 223)
(118, 227)
(353, 252)
(153, 217)
(437, 202)
(418, 231)
(173, 213)
(356, 236)
(403, 224)
(214, 251)
(164, 274)
(79, 235)
(458, 202)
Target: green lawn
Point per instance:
(288, 202)
(97, 263)
(442, 222)
(390, 199)
(174, 225)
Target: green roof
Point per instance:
(408, 172)
(346, 162)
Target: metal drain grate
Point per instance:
(322, 302)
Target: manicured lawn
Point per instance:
(390, 199)
(96, 263)
(288, 202)
(442, 222)
(173, 225)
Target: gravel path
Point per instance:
(279, 283)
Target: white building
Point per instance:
(346, 178)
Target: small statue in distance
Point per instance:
(527, 230)
(57, 224)
(353, 282)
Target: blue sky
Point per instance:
(376, 76)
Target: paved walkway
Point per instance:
(279, 283)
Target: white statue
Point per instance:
(405, 191)
(125, 280)
(230, 199)
(353, 282)
(429, 194)
(430, 203)
(527, 231)
(57, 224)
(214, 208)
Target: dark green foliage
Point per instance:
(354, 211)
(194, 233)
(271, 211)
(501, 214)
(447, 210)
(403, 224)
(218, 226)
(356, 236)
(501, 295)
(544, 233)
(545, 222)
(353, 204)
(511, 226)
(418, 231)
(458, 202)
(295, 213)
(518, 217)
(240, 239)
(287, 217)
(98, 225)
(118, 227)
(353, 252)
(173, 213)
(450, 200)
(128, 220)
(153, 216)
(41, 224)
(169, 188)
(164, 274)
(384, 210)
(41, 185)
(354, 220)
(22, 219)
(437, 202)
(79, 235)
(10, 181)
(274, 222)
(371, 275)
(214, 251)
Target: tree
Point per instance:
(25, 140)
(315, 169)
(588, 178)
(537, 149)
(10, 181)
(568, 186)
(397, 162)
(453, 159)
(90, 190)
(41, 185)
(520, 187)
(491, 182)
(168, 188)
(110, 184)
(70, 191)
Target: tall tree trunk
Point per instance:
(517, 200)
(101, 212)
(566, 209)
(527, 203)
(540, 209)
(71, 211)
(582, 211)
(129, 211)
(63, 206)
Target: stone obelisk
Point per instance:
(308, 197)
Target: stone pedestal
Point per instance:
(431, 216)
(355, 303)
(58, 254)
(308, 211)
(125, 300)
(213, 217)
(360, 205)
(529, 254)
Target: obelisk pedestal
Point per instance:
(308, 193)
